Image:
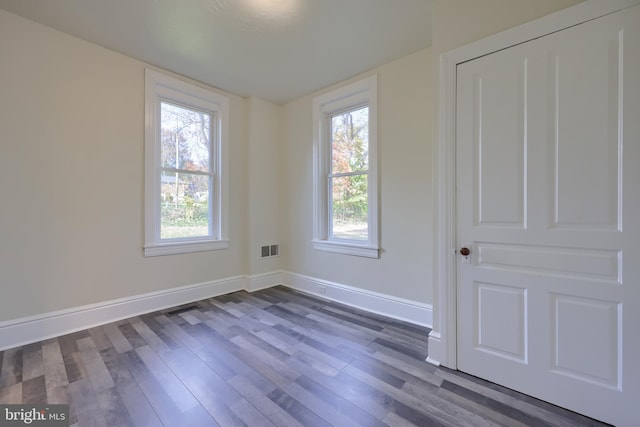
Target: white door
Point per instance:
(548, 202)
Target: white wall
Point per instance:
(459, 22)
(265, 183)
(404, 136)
(71, 178)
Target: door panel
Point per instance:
(498, 128)
(500, 320)
(573, 350)
(597, 265)
(587, 148)
(547, 155)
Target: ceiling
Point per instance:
(278, 50)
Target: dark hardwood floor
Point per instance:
(274, 357)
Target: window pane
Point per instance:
(185, 137)
(350, 141)
(349, 207)
(184, 210)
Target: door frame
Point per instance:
(443, 337)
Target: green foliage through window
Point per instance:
(348, 180)
(185, 181)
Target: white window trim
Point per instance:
(363, 92)
(160, 87)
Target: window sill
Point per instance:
(184, 247)
(347, 248)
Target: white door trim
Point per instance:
(443, 338)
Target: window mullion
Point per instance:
(186, 171)
(343, 174)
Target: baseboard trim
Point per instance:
(258, 282)
(387, 305)
(26, 330)
(435, 345)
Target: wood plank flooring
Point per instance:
(271, 358)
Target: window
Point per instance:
(345, 170)
(185, 151)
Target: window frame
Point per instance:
(347, 98)
(161, 88)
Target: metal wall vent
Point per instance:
(269, 251)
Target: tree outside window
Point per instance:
(186, 172)
(348, 177)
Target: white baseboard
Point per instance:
(266, 280)
(387, 305)
(26, 330)
(435, 346)
(17, 332)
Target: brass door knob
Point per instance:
(465, 251)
